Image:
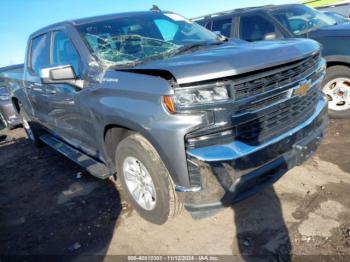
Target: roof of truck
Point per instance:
(243, 10)
(87, 20)
(18, 67)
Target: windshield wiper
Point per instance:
(189, 47)
(194, 46)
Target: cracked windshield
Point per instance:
(127, 42)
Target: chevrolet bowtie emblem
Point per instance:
(302, 89)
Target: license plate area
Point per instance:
(306, 148)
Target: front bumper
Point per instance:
(231, 172)
(9, 113)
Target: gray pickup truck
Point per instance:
(181, 116)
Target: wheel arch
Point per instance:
(15, 103)
(113, 134)
(338, 60)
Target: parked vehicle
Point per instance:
(181, 116)
(8, 115)
(337, 17)
(290, 21)
(341, 9)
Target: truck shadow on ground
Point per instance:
(261, 231)
(46, 209)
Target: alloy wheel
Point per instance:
(139, 183)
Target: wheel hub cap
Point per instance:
(139, 183)
(338, 94)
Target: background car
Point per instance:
(291, 21)
(337, 17)
(341, 9)
(8, 115)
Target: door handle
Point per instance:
(37, 89)
(51, 91)
(29, 86)
(34, 87)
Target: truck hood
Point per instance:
(332, 31)
(231, 58)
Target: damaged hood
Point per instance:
(231, 58)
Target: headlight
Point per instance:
(4, 97)
(322, 66)
(196, 96)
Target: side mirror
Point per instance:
(221, 36)
(63, 74)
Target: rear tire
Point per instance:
(336, 86)
(3, 121)
(144, 178)
(32, 131)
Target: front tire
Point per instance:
(336, 86)
(145, 180)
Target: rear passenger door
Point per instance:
(258, 26)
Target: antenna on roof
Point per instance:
(155, 9)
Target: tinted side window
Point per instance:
(224, 26)
(64, 52)
(256, 28)
(39, 53)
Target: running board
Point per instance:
(91, 165)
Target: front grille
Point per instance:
(262, 105)
(259, 104)
(270, 79)
(287, 115)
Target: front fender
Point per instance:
(134, 101)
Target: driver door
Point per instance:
(62, 106)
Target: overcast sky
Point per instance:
(19, 18)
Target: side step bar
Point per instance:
(91, 165)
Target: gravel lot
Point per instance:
(48, 205)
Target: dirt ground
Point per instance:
(48, 205)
